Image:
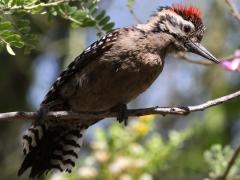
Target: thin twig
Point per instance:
(234, 9)
(65, 116)
(135, 16)
(230, 164)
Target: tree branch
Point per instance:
(31, 7)
(234, 9)
(64, 116)
(135, 16)
(230, 164)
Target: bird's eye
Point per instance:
(187, 29)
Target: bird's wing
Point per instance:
(91, 54)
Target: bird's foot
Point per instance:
(122, 114)
(43, 110)
(40, 114)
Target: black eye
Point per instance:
(186, 29)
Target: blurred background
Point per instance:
(196, 146)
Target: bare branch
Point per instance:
(230, 164)
(234, 9)
(135, 16)
(97, 116)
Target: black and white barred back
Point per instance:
(56, 146)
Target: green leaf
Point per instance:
(23, 36)
(104, 20)
(5, 33)
(88, 22)
(5, 25)
(80, 15)
(25, 29)
(100, 15)
(10, 50)
(54, 13)
(13, 38)
(131, 4)
(72, 10)
(24, 22)
(18, 44)
(109, 26)
(93, 11)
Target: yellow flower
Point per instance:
(147, 118)
(141, 128)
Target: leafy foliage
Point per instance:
(9, 37)
(217, 159)
(15, 24)
(86, 14)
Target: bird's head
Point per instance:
(184, 24)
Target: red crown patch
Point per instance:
(188, 12)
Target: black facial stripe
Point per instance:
(178, 38)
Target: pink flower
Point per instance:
(232, 64)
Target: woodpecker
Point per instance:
(108, 74)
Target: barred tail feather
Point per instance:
(51, 148)
(31, 138)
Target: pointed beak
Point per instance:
(197, 48)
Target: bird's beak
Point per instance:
(197, 48)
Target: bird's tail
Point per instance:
(50, 148)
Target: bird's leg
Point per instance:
(43, 110)
(122, 114)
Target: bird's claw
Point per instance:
(40, 114)
(122, 114)
(44, 109)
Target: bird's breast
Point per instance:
(107, 83)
